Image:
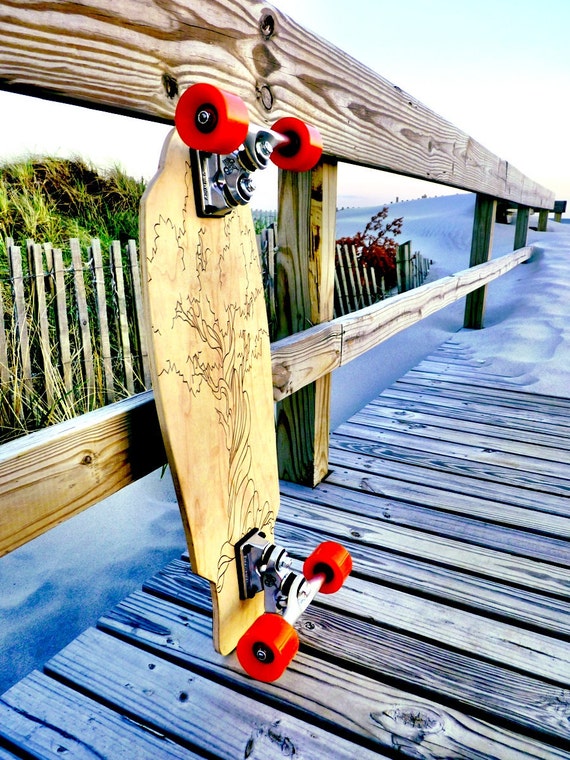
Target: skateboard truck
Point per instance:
(224, 181)
(263, 566)
(270, 644)
(226, 149)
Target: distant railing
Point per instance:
(72, 334)
(356, 284)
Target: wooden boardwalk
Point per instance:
(450, 640)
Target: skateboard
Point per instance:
(211, 371)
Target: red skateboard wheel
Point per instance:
(331, 560)
(304, 148)
(210, 119)
(267, 648)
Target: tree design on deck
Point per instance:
(221, 341)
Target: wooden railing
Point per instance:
(116, 55)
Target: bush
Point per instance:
(376, 246)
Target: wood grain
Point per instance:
(48, 476)
(304, 294)
(362, 644)
(521, 226)
(320, 686)
(50, 720)
(211, 373)
(423, 419)
(192, 709)
(296, 362)
(390, 480)
(450, 638)
(481, 248)
(529, 573)
(304, 357)
(119, 56)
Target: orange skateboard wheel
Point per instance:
(267, 647)
(303, 149)
(331, 560)
(210, 119)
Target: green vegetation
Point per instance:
(50, 200)
(54, 199)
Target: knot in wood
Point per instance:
(269, 741)
(409, 723)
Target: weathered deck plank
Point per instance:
(429, 521)
(190, 708)
(431, 424)
(451, 639)
(517, 413)
(363, 655)
(43, 718)
(488, 464)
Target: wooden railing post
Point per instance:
(304, 297)
(542, 220)
(481, 247)
(521, 227)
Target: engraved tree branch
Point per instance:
(220, 364)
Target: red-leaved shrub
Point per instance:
(376, 245)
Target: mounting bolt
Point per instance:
(266, 97)
(267, 25)
(263, 653)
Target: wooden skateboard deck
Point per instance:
(211, 369)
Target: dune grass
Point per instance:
(52, 200)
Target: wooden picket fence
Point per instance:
(356, 284)
(411, 268)
(267, 245)
(72, 334)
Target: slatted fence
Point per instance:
(356, 285)
(411, 268)
(267, 244)
(72, 336)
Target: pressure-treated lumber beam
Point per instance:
(481, 249)
(304, 357)
(49, 476)
(137, 56)
(521, 227)
(304, 295)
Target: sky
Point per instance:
(497, 69)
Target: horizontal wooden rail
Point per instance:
(304, 357)
(48, 476)
(123, 57)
